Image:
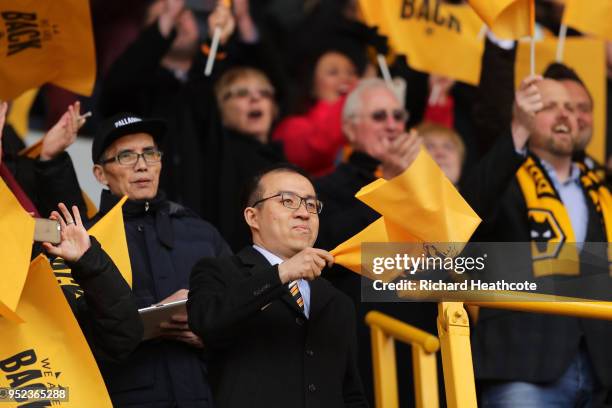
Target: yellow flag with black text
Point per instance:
(110, 233)
(436, 37)
(592, 17)
(17, 232)
(45, 41)
(48, 352)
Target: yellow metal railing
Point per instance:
(454, 333)
(384, 331)
(454, 343)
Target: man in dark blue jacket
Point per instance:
(164, 240)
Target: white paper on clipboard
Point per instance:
(152, 316)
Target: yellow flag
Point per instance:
(592, 16)
(49, 351)
(436, 213)
(348, 253)
(508, 19)
(420, 205)
(17, 232)
(436, 37)
(91, 207)
(46, 41)
(588, 58)
(110, 232)
(19, 114)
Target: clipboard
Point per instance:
(152, 316)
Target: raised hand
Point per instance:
(223, 19)
(244, 22)
(241, 9)
(63, 133)
(74, 237)
(306, 264)
(439, 88)
(527, 102)
(400, 154)
(171, 10)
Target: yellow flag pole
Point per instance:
(561, 43)
(214, 45)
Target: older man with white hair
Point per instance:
(374, 122)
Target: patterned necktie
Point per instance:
(297, 296)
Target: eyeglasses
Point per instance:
(130, 158)
(264, 93)
(381, 115)
(294, 201)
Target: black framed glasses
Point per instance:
(264, 93)
(130, 158)
(381, 115)
(294, 201)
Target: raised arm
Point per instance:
(55, 177)
(488, 180)
(132, 78)
(107, 311)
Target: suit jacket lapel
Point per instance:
(250, 257)
(321, 293)
(252, 260)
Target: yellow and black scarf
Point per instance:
(549, 221)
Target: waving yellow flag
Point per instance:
(110, 233)
(593, 17)
(436, 37)
(17, 231)
(19, 114)
(46, 41)
(508, 19)
(420, 205)
(48, 351)
(423, 202)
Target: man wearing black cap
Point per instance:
(164, 241)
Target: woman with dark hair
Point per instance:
(335, 44)
(312, 140)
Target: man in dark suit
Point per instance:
(277, 334)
